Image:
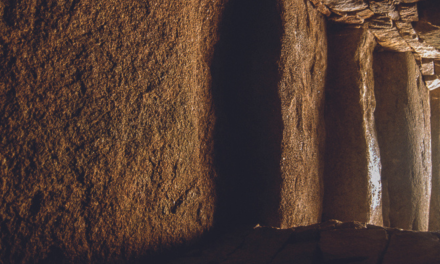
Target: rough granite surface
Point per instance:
(434, 206)
(134, 127)
(106, 127)
(353, 189)
(403, 120)
(268, 89)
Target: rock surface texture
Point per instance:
(268, 81)
(106, 120)
(134, 127)
(434, 211)
(303, 66)
(402, 26)
(404, 134)
(428, 28)
(108, 123)
(328, 242)
(352, 162)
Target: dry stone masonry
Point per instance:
(134, 128)
(398, 25)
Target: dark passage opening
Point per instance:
(248, 108)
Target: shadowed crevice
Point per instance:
(249, 126)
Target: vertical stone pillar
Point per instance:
(404, 134)
(303, 65)
(434, 211)
(352, 189)
(269, 74)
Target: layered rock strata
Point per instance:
(400, 26)
(403, 128)
(353, 189)
(106, 123)
(428, 29)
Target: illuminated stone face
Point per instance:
(129, 127)
(352, 182)
(404, 133)
(106, 124)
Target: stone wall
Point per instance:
(303, 66)
(133, 127)
(106, 122)
(109, 111)
(353, 189)
(404, 133)
(434, 212)
(268, 96)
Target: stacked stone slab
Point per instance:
(352, 162)
(403, 127)
(428, 29)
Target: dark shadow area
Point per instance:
(249, 126)
(345, 160)
(429, 11)
(434, 214)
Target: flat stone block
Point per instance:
(357, 245)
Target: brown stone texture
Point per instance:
(352, 161)
(395, 24)
(328, 242)
(105, 124)
(407, 247)
(363, 245)
(267, 241)
(303, 66)
(403, 128)
(345, 5)
(268, 79)
(434, 207)
(428, 25)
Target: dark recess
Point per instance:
(249, 126)
(36, 203)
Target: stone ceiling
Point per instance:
(398, 25)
